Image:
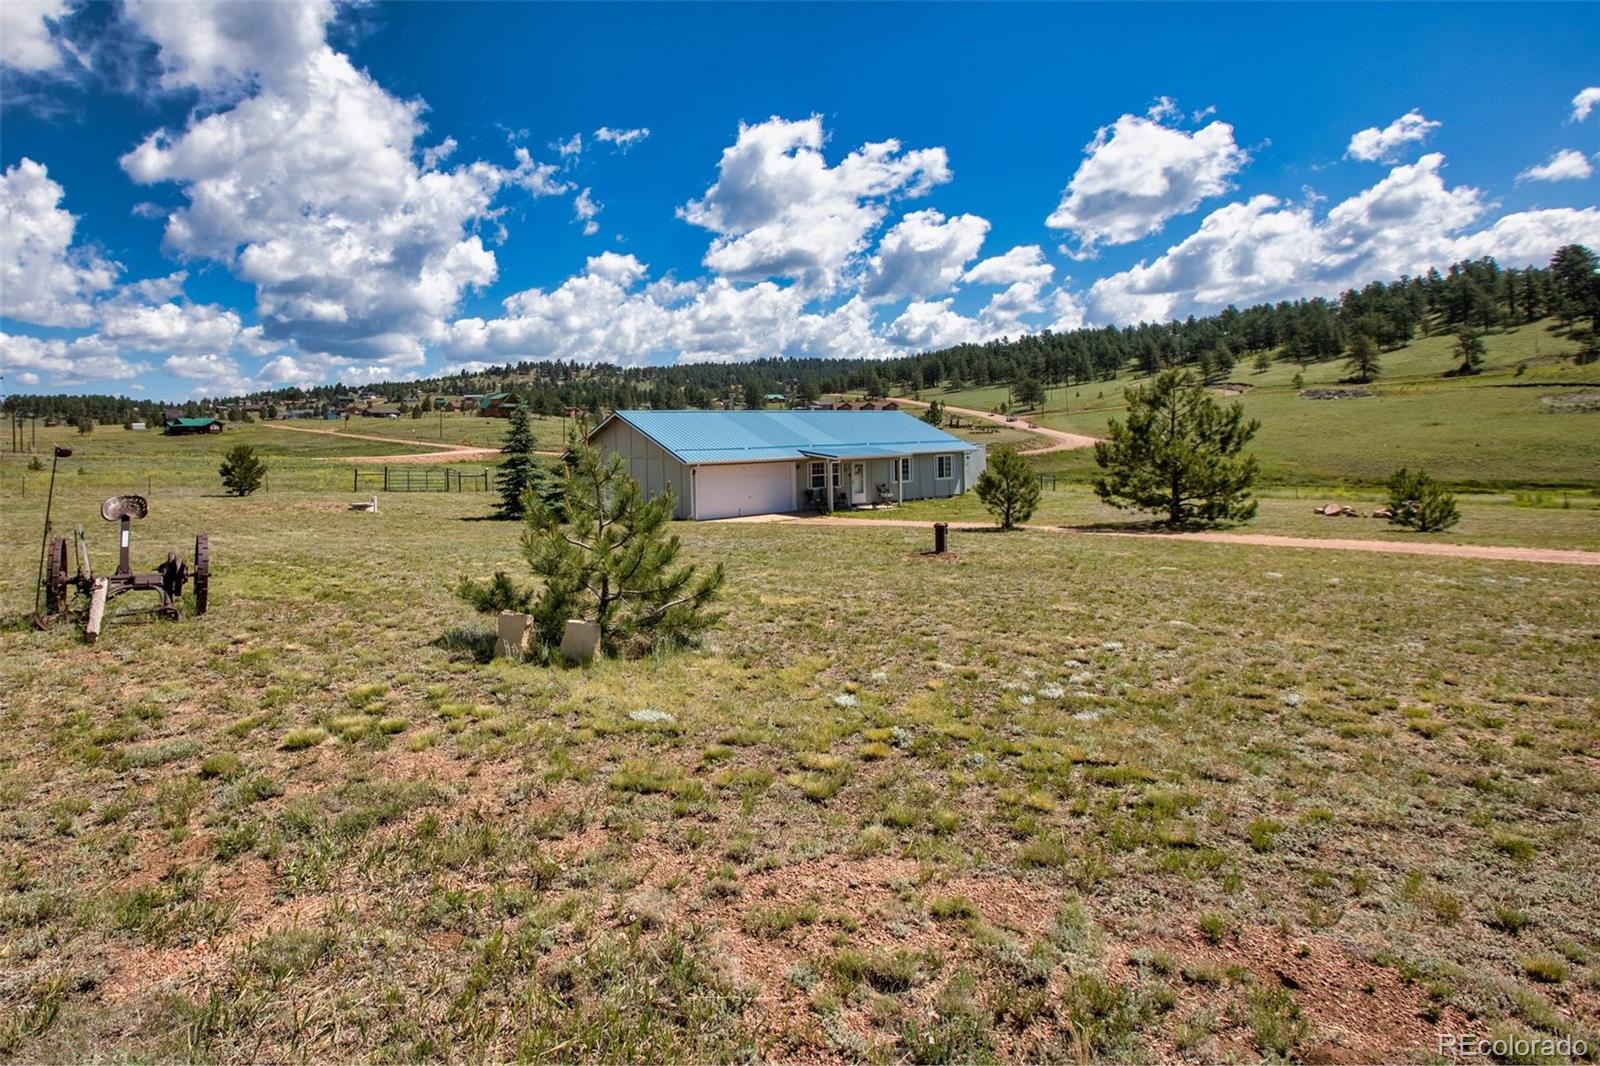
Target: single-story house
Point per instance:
(723, 464)
(382, 410)
(498, 405)
(183, 427)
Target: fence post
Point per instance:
(355, 479)
(386, 478)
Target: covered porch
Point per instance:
(852, 476)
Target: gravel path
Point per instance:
(1059, 440)
(1494, 552)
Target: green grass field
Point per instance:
(112, 459)
(1052, 798)
(456, 428)
(1488, 431)
(1550, 519)
(1046, 798)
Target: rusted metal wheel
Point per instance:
(55, 576)
(202, 571)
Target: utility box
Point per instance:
(515, 636)
(580, 641)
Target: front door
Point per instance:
(858, 483)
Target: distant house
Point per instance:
(381, 410)
(300, 413)
(498, 405)
(571, 412)
(187, 427)
(722, 464)
(775, 397)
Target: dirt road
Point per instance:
(1059, 441)
(436, 452)
(1493, 552)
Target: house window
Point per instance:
(819, 475)
(946, 468)
(900, 470)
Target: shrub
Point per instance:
(242, 472)
(1418, 502)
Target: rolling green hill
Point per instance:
(1491, 430)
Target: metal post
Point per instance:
(123, 565)
(44, 542)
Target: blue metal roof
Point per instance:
(757, 436)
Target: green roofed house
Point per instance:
(725, 464)
(182, 427)
(498, 405)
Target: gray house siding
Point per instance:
(924, 484)
(649, 464)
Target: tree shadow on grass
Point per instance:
(1148, 527)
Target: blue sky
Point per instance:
(200, 199)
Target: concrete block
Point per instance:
(580, 641)
(514, 636)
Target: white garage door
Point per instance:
(743, 488)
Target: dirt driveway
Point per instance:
(1497, 553)
(1059, 441)
(434, 453)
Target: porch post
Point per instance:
(899, 483)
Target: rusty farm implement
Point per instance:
(167, 580)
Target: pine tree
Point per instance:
(242, 473)
(1418, 502)
(519, 474)
(1179, 452)
(1363, 363)
(1469, 349)
(611, 561)
(934, 415)
(1009, 488)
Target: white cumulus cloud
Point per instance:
(45, 278)
(1569, 164)
(923, 254)
(779, 210)
(1264, 250)
(1025, 262)
(1137, 173)
(621, 139)
(26, 41)
(310, 187)
(1374, 145)
(585, 209)
(1585, 102)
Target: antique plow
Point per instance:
(167, 580)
